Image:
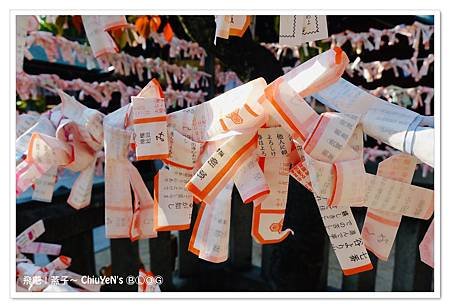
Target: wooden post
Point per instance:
(187, 261)
(324, 270)
(409, 273)
(367, 279)
(297, 262)
(209, 68)
(125, 262)
(240, 233)
(81, 249)
(161, 259)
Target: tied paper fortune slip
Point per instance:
(274, 147)
(210, 235)
(173, 202)
(401, 128)
(123, 219)
(70, 137)
(220, 166)
(87, 124)
(268, 214)
(250, 181)
(150, 124)
(234, 112)
(339, 222)
(331, 144)
(380, 227)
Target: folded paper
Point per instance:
(386, 122)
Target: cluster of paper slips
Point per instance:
(254, 137)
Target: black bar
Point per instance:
(81, 249)
(406, 255)
(296, 263)
(162, 259)
(125, 262)
(240, 233)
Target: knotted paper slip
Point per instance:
(380, 226)
(274, 146)
(401, 128)
(141, 126)
(331, 165)
(227, 126)
(173, 202)
(68, 137)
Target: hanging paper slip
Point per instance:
(183, 152)
(210, 236)
(173, 203)
(232, 113)
(298, 29)
(345, 238)
(268, 216)
(273, 142)
(396, 126)
(149, 119)
(283, 97)
(231, 25)
(380, 227)
(150, 127)
(220, 167)
(250, 181)
(43, 153)
(120, 219)
(43, 186)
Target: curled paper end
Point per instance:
(267, 225)
(274, 238)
